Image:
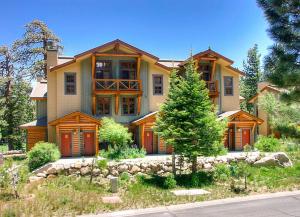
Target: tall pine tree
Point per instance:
(252, 76)
(187, 120)
(282, 65)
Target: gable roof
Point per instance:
(145, 118)
(232, 114)
(213, 53)
(39, 91)
(267, 87)
(41, 122)
(114, 42)
(72, 115)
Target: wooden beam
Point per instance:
(142, 136)
(116, 55)
(138, 68)
(139, 104)
(131, 92)
(117, 102)
(96, 140)
(94, 104)
(213, 70)
(208, 58)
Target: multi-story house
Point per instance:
(121, 81)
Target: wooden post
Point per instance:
(117, 102)
(139, 104)
(213, 70)
(142, 136)
(94, 104)
(138, 67)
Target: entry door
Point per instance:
(148, 135)
(89, 143)
(66, 144)
(245, 137)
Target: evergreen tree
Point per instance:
(32, 48)
(18, 110)
(252, 76)
(187, 120)
(282, 65)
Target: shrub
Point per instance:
(126, 153)
(248, 148)
(267, 144)
(116, 135)
(125, 177)
(169, 182)
(221, 172)
(42, 153)
(102, 164)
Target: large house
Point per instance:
(128, 84)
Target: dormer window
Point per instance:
(103, 69)
(128, 70)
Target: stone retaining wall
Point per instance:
(161, 166)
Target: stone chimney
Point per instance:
(52, 55)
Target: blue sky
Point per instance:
(165, 28)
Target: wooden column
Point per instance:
(139, 99)
(213, 69)
(96, 139)
(117, 102)
(93, 84)
(138, 68)
(142, 135)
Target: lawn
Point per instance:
(71, 195)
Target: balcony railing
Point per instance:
(212, 86)
(117, 85)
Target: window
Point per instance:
(158, 84)
(103, 69)
(128, 70)
(103, 105)
(70, 83)
(128, 106)
(205, 69)
(228, 85)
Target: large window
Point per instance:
(70, 83)
(103, 105)
(103, 69)
(128, 105)
(158, 84)
(205, 69)
(128, 70)
(228, 85)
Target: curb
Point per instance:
(133, 212)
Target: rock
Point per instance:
(207, 166)
(221, 159)
(77, 165)
(43, 175)
(51, 170)
(122, 168)
(114, 172)
(72, 171)
(96, 172)
(252, 158)
(35, 179)
(105, 172)
(275, 159)
(134, 169)
(59, 168)
(85, 170)
(241, 156)
(267, 161)
(67, 166)
(51, 176)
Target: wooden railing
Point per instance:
(117, 85)
(212, 86)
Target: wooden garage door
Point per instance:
(89, 143)
(66, 144)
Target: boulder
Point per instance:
(135, 169)
(275, 159)
(85, 170)
(207, 166)
(96, 172)
(35, 179)
(51, 176)
(51, 170)
(43, 175)
(122, 168)
(77, 165)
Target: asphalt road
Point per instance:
(275, 207)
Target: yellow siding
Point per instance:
(230, 103)
(156, 100)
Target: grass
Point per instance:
(3, 148)
(72, 196)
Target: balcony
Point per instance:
(117, 85)
(212, 86)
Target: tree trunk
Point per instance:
(194, 164)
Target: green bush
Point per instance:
(125, 177)
(126, 153)
(115, 134)
(42, 153)
(102, 164)
(169, 182)
(267, 144)
(221, 172)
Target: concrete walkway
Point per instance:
(281, 204)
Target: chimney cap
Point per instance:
(51, 46)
